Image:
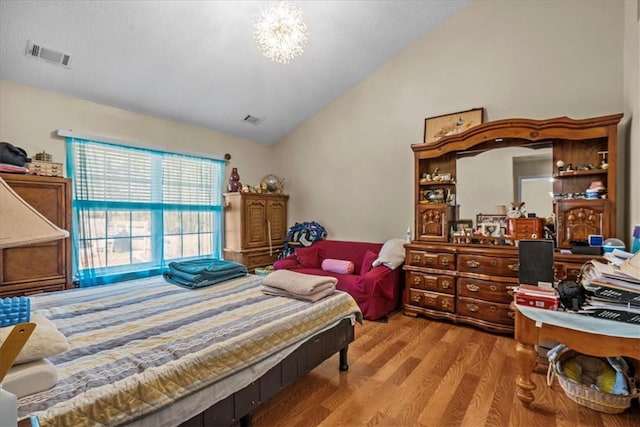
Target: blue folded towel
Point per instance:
(203, 272)
(205, 265)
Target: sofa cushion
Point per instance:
(367, 262)
(391, 254)
(308, 257)
(337, 266)
(350, 251)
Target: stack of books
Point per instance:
(611, 294)
(537, 296)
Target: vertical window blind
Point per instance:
(135, 210)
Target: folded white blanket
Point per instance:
(322, 292)
(297, 283)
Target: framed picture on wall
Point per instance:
(451, 124)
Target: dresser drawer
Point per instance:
(433, 300)
(484, 310)
(507, 267)
(261, 259)
(485, 290)
(431, 282)
(432, 260)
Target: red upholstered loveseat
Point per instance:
(377, 290)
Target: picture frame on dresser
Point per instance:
(491, 219)
(463, 225)
(451, 124)
(491, 229)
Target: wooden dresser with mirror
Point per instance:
(463, 259)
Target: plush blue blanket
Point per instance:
(203, 272)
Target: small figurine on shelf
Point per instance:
(517, 210)
(603, 161)
(560, 165)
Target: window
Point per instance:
(135, 210)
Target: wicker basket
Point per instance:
(587, 396)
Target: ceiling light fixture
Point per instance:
(280, 32)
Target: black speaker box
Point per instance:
(536, 261)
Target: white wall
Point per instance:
(350, 167)
(29, 117)
(632, 112)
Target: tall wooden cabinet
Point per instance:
(31, 269)
(255, 227)
(469, 278)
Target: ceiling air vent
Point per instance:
(253, 120)
(37, 51)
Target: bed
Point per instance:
(149, 353)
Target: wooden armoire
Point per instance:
(31, 269)
(255, 226)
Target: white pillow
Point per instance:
(391, 255)
(45, 341)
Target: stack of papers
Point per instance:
(612, 294)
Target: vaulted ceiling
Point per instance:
(197, 62)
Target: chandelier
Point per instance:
(280, 32)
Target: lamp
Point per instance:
(280, 32)
(20, 224)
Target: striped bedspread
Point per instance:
(138, 346)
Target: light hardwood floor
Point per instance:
(419, 372)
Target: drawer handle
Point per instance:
(416, 258)
(473, 263)
(416, 280)
(493, 262)
(445, 303)
(510, 293)
(514, 267)
(511, 314)
(446, 284)
(445, 261)
(416, 298)
(473, 288)
(493, 309)
(493, 288)
(473, 307)
(429, 260)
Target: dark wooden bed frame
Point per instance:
(240, 405)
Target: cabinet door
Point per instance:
(277, 220)
(255, 223)
(432, 222)
(579, 218)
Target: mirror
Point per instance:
(497, 177)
